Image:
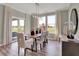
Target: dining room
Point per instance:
(33, 29)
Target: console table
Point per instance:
(70, 47)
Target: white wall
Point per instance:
(64, 18)
(75, 5)
(1, 23)
(17, 13)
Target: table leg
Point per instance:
(35, 45)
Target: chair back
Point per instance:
(20, 40)
(43, 36)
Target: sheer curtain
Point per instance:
(58, 24)
(62, 18)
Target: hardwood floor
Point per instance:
(53, 48)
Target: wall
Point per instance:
(64, 18)
(75, 5)
(1, 23)
(17, 13)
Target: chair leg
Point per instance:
(25, 52)
(43, 44)
(36, 47)
(32, 47)
(18, 51)
(40, 47)
(46, 40)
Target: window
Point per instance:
(14, 23)
(17, 25)
(21, 22)
(21, 26)
(51, 21)
(41, 20)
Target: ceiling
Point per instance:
(30, 8)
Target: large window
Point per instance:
(21, 22)
(17, 25)
(41, 20)
(21, 25)
(14, 25)
(51, 22)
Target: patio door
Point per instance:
(17, 26)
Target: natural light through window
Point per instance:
(21, 22)
(17, 25)
(14, 23)
(42, 20)
(51, 19)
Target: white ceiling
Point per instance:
(43, 7)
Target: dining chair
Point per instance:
(41, 41)
(22, 43)
(46, 37)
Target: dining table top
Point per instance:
(34, 36)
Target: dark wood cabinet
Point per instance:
(70, 48)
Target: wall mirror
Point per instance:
(73, 23)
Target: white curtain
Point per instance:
(58, 24)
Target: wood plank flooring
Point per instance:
(53, 48)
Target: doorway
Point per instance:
(17, 26)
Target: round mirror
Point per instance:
(73, 24)
(74, 21)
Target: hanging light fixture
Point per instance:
(37, 15)
(37, 10)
